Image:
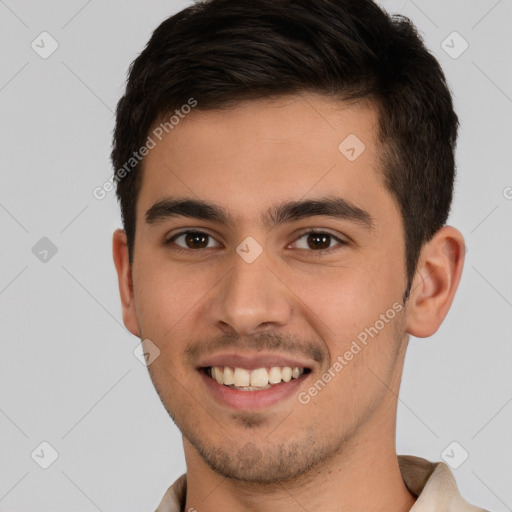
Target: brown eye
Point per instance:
(318, 241)
(196, 240)
(193, 240)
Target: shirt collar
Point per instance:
(431, 482)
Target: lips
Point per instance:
(244, 381)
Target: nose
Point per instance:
(251, 298)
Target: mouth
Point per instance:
(253, 381)
(257, 379)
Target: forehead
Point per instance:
(264, 151)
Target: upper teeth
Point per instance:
(259, 378)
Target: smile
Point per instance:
(253, 380)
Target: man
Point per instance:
(285, 172)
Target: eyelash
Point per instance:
(177, 248)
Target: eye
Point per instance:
(318, 241)
(193, 240)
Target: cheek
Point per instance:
(355, 311)
(343, 300)
(363, 356)
(164, 295)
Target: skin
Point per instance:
(291, 300)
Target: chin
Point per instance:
(262, 463)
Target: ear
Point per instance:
(435, 282)
(124, 275)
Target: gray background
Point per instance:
(68, 374)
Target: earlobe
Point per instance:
(436, 280)
(124, 276)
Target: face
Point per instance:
(264, 247)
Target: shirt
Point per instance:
(432, 483)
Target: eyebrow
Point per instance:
(330, 206)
